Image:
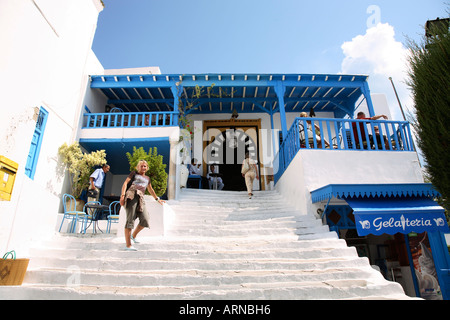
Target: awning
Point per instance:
(354, 191)
(397, 214)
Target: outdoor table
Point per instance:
(96, 215)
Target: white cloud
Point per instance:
(380, 56)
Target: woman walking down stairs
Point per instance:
(222, 245)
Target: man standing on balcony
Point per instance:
(96, 181)
(362, 125)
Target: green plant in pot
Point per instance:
(156, 171)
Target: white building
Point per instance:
(50, 72)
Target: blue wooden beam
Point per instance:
(366, 93)
(147, 81)
(280, 89)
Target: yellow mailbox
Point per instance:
(8, 170)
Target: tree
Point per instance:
(80, 165)
(430, 83)
(156, 167)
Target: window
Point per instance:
(36, 141)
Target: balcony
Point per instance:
(336, 135)
(129, 120)
(118, 132)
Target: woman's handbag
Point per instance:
(12, 271)
(92, 193)
(245, 167)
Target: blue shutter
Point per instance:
(36, 142)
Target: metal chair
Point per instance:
(71, 212)
(194, 177)
(113, 216)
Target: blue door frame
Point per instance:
(441, 259)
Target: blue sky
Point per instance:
(265, 36)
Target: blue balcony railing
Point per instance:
(342, 134)
(130, 119)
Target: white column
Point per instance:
(173, 169)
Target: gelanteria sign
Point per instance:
(393, 215)
(403, 223)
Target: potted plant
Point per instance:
(156, 171)
(80, 165)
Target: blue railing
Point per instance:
(130, 119)
(342, 134)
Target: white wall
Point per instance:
(44, 62)
(312, 169)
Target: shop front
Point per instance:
(398, 227)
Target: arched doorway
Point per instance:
(226, 145)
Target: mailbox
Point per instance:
(8, 170)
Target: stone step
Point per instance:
(221, 245)
(331, 289)
(193, 254)
(244, 232)
(110, 242)
(147, 264)
(186, 278)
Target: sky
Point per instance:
(268, 36)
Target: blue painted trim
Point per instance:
(441, 259)
(354, 86)
(137, 140)
(280, 89)
(373, 191)
(130, 120)
(366, 93)
(411, 266)
(225, 80)
(33, 154)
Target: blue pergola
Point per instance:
(245, 93)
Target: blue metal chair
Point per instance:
(71, 213)
(194, 177)
(113, 217)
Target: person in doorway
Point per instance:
(213, 178)
(249, 172)
(96, 182)
(132, 199)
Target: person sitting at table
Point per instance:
(380, 140)
(362, 125)
(213, 177)
(195, 172)
(311, 132)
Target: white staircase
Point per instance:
(222, 246)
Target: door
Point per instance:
(226, 148)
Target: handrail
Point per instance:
(342, 134)
(130, 119)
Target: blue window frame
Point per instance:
(36, 142)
